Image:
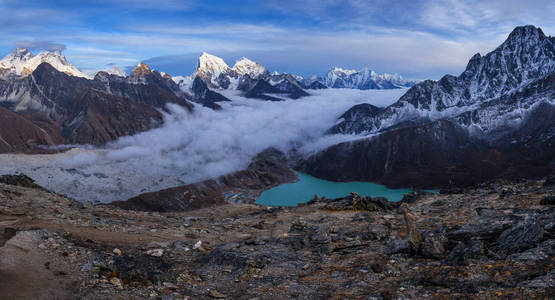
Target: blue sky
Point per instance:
(418, 39)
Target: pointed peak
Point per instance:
(208, 56)
(211, 65)
(245, 60)
(526, 32)
(245, 66)
(141, 68)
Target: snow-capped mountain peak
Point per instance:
(115, 70)
(245, 66)
(215, 72)
(16, 60)
(141, 68)
(22, 62)
(209, 64)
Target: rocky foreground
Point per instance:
(495, 240)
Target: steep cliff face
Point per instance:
(97, 118)
(18, 134)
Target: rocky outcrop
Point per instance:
(274, 88)
(203, 95)
(19, 180)
(261, 89)
(317, 85)
(356, 202)
(350, 117)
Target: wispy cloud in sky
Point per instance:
(419, 39)
(40, 45)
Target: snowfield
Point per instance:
(191, 147)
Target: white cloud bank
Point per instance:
(193, 147)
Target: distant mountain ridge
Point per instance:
(256, 82)
(364, 79)
(22, 62)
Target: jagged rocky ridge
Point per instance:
(495, 119)
(48, 107)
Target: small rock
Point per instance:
(117, 282)
(377, 267)
(464, 250)
(377, 232)
(433, 245)
(548, 200)
(155, 252)
(217, 295)
(170, 286)
(414, 235)
(197, 245)
(117, 252)
(159, 245)
(397, 246)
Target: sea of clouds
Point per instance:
(191, 147)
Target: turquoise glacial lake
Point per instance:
(291, 194)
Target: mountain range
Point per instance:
(495, 119)
(218, 75)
